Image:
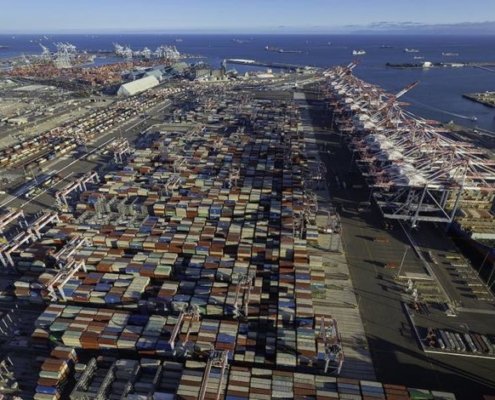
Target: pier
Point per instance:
(487, 98)
(254, 63)
(487, 66)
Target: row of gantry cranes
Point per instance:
(416, 171)
(161, 52)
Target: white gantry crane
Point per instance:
(45, 219)
(55, 286)
(120, 148)
(31, 233)
(7, 249)
(11, 216)
(66, 253)
(216, 359)
(46, 54)
(416, 171)
(242, 295)
(77, 185)
(65, 55)
(334, 353)
(187, 317)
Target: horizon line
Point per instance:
(178, 32)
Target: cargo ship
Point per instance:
(279, 50)
(411, 50)
(241, 41)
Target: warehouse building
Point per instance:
(137, 86)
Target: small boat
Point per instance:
(358, 52)
(179, 40)
(386, 46)
(411, 50)
(329, 43)
(419, 58)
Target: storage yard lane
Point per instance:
(374, 256)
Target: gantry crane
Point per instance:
(120, 148)
(334, 352)
(65, 253)
(241, 301)
(234, 175)
(12, 216)
(45, 219)
(172, 183)
(187, 316)
(216, 359)
(78, 184)
(8, 248)
(57, 283)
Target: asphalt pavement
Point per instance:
(396, 355)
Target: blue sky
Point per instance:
(229, 15)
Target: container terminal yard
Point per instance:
(212, 236)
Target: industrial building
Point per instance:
(138, 86)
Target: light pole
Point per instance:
(483, 263)
(490, 277)
(402, 261)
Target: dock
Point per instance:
(254, 63)
(427, 64)
(486, 98)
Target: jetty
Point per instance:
(485, 98)
(255, 63)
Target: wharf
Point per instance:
(393, 346)
(486, 98)
(482, 65)
(254, 63)
(339, 295)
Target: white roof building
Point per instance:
(138, 86)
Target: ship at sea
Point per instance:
(3, 47)
(411, 50)
(279, 50)
(242, 41)
(450, 54)
(358, 52)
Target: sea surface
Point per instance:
(438, 95)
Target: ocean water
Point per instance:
(438, 95)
